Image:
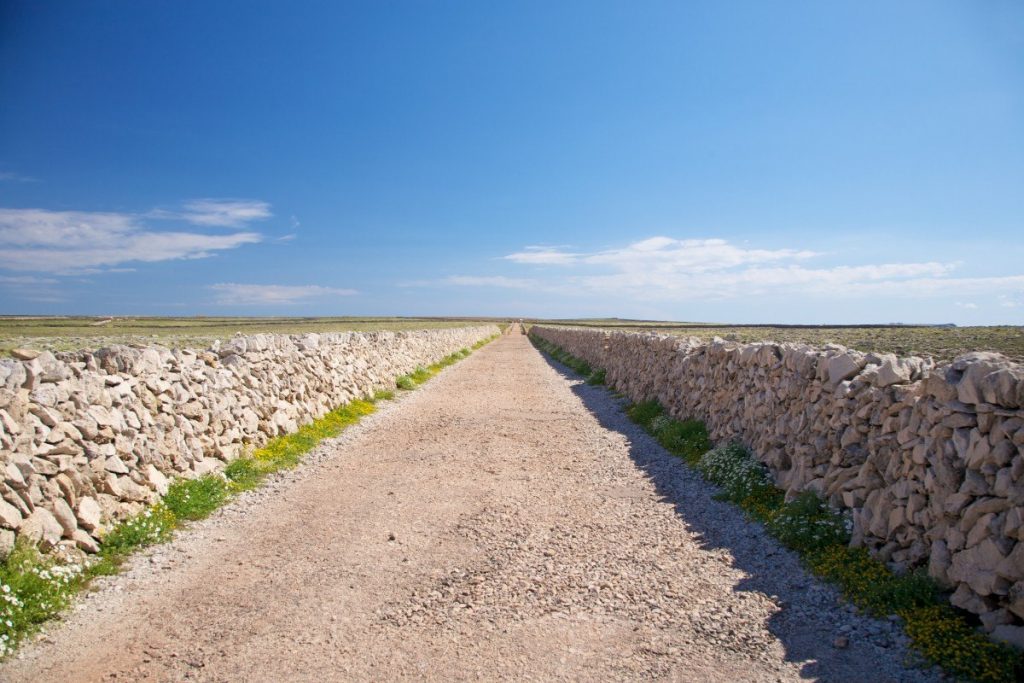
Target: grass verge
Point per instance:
(942, 634)
(422, 374)
(35, 587)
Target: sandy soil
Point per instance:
(502, 522)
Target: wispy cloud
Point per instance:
(237, 294)
(662, 253)
(10, 176)
(222, 213)
(542, 256)
(26, 280)
(74, 242)
(667, 269)
(1013, 300)
(490, 281)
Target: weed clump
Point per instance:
(153, 525)
(33, 589)
(686, 438)
(942, 636)
(643, 413)
(807, 524)
(191, 499)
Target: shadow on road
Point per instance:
(811, 613)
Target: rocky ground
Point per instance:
(502, 522)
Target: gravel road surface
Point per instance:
(503, 522)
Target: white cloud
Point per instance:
(490, 281)
(542, 256)
(223, 213)
(236, 294)
(968, 305)
(661, 253)
(1014, 300)
(667, 269)
(26, 280)
(16, 177)
(73, 242)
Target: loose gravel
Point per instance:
(505, 521)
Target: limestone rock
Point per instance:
(842, 367)
(42, 526)
(64, 515)
(89, 513)
(157, 480)
(1011, 635)
(115, 465)
(10, 517)
(938, 564)
(1015, 599)
(892, 371)
(85, 542)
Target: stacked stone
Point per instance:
(929, 459)
(92, 437)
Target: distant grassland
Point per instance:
(76, 333)
(942, 343)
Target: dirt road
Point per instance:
(502, 522)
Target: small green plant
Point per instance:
(687, 438)
(192, 499)
(153, 525)
(597, 377)
(643, 413)
(33, 589)
(942, 636)
(869, 584)
(405, 382)
(244, 474)
(806, 524)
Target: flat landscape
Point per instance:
(438, 540)
(574, 341)
(940, 342)
(83, 332)
(71, 333)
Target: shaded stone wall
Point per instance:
(928, 458)
(94, 436)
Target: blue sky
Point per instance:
(795, 162)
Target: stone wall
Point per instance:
(90, 437)
(928, 458)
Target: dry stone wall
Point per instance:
(90, 437)
(928, 458)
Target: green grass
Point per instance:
(686, 438)
(422, 374)
(69, 333)
(35, 587)
(942, 343)
(192, 499)
(645, 412)
(578, 365)
(941, 634)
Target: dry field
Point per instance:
(942, 343)
(74, 333)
